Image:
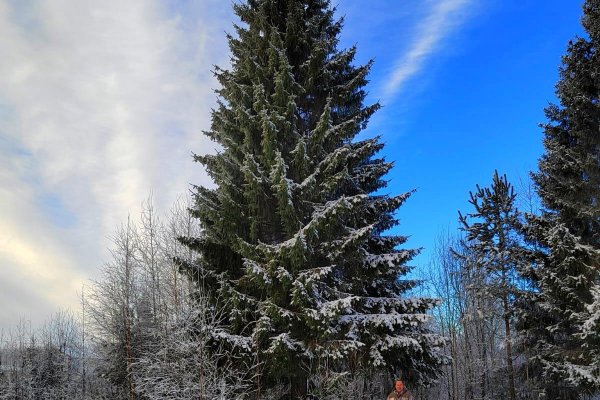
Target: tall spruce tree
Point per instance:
(557, 319)
(294, 245)
(492, 242)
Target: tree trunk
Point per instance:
(509, 357)
(298, 387)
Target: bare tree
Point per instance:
(447, 279)
(185, 365)
(112, 308)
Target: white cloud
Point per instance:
(100, 103)
(445, 16)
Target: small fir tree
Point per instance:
(493, 248)
(294, 243)
(558, 314)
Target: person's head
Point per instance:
(399, 385)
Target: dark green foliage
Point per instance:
(293, 243)
(558, 322)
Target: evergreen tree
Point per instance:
(493, 246)
(557, 319)
(294, 243)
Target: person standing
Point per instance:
(400, 392)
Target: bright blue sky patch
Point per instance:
(473, 104)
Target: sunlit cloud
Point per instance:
(100, 103)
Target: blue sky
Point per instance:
(103, 102)
(472, 106)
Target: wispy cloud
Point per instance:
(100, 103)
(444, 18)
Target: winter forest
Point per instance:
(284, 281)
